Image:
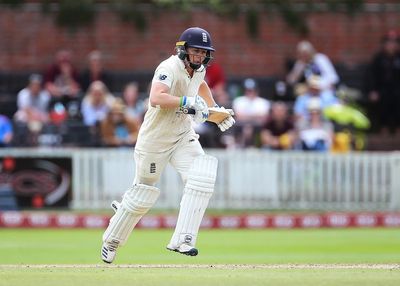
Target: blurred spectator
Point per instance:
(384, 85)
(349, 123)
(96, 103)
(135, 107)
(215, 79)
(6, 131)
(33, 102)
(251, 108)
(279, 132)
(314, 90)
(61, 79)
(251, 112)
(309, 62)
(315, 133)
(94, 71)
(118, 129)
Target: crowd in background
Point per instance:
(64, 107)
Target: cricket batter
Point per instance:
(167, 136)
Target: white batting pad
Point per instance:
(198, 190)
(135, 203)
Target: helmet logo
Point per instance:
(204, 37)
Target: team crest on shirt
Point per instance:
(162, 77)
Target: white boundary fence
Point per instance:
(247, 179)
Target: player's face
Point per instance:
(196, 55)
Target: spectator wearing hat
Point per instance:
(33, 102)
(251, 112)
(118, 129)
(310, 62)
(314, 90)
(250, 107)
(384, 86)
(315, 133)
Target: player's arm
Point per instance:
(205, 93)
(160, 97)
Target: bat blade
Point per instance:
(217, 114)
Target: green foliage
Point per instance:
(293, 18)
(252, 21)
(130, 12)
(12, 3)
(78, 13)
(74, 14)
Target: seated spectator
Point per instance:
(96, 103)
(94, 71)
(309, 62)
(135, 107)
(61, 79)
(314, 90)
(384, 86)
(6, 131)
(315, 134)
(33, 102)
(279, 132)
(251, 112)
(118, 129)
(251, 108)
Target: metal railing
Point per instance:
(247, 179)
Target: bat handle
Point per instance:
(186, 110)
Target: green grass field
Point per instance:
(227, 257)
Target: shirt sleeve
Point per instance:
(328, 72)
(23, 99)
(164, 76)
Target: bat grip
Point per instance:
(186, 110)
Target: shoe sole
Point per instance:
(192, 252)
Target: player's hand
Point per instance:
(227, 122)
(200, 107)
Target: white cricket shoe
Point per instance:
(109, 251)
(184, 249)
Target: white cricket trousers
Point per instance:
(150, 165)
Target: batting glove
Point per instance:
(227, 122)
(199, 105)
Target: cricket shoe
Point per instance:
(184, 248)
(109, 251)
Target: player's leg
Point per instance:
(199, 173)
(135, 203)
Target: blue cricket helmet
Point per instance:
(195, 37)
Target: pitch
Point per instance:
(227, 257)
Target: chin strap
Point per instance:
(196, 67)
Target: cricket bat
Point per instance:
(216, 114)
